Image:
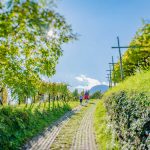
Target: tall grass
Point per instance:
(105, 137)
(139, 82)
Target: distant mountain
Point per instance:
(101, 88)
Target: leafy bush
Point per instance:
(128, 106)
(96, 95)
(17, 125)
(129, 114)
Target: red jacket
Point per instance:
(86, 97)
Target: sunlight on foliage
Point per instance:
(128, 105)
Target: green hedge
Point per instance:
(128, 105)
(17, 125)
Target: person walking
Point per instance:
(81, 99)
(86, 96)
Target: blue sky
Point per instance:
(98, 22)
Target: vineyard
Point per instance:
(37, 113)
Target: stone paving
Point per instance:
(83, 139)
(45, 139)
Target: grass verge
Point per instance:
(104, 137)
(19, 124)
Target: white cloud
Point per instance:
(79, 78)
(87, 82)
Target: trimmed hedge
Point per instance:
(129, 111)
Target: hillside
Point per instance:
(101, 88)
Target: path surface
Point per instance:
(45, 140)
(83, 138)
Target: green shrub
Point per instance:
(17, 125)
(128, 105)
(129, 114)
(96, 95)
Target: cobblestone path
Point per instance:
(44, 140)
(81, 136)
(84, 138)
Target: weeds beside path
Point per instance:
(78, 133)
(44, 140)
(73, 131)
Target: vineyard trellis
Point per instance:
(46, 93)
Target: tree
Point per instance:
(96, 95)
(137, 58)
(31, 37)
(75, 94)
(82, 93)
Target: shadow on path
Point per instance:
(44, 140)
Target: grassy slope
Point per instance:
(104, 138)
(138, 83)
(18, 124)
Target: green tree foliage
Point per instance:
(137, 58)
(53, 91)
(75, 94)
(31, 37)
(96, 95)
(82, 93)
